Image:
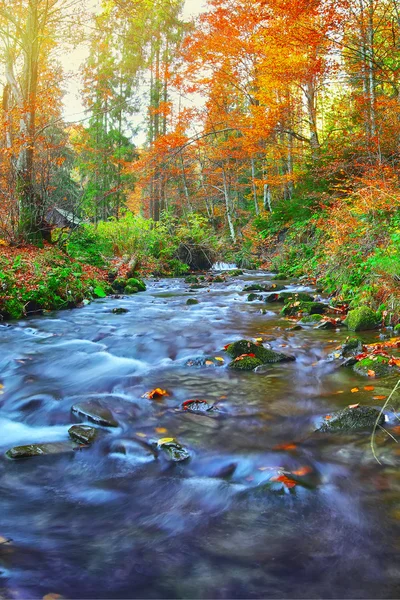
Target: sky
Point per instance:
(73, 108)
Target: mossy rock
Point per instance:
(218, 279)
(130, 289)
(311, 320)
(256, 287)
(380, 366)
(361, 319)
(352, 419)
(310, 308)
(288, 297)
(119, 311)
(192, 302)
(137, 283)
(253, 297)
(31, 450)
(397, 329)
(83, 434)
(351, 347)
(235, 273)
(280, 277)
(191, 279)
(247, 363)
(263, 354)
(198, 286)
(119, 284)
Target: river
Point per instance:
(112, 521)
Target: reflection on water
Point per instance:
(114, 521)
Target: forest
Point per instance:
(199, 299)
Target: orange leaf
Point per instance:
(355, 390)
(371, 373)
(396, 429)
(285, 447)
(328, 417)
(302, 471)
(285, 480)
(369, 388)
(157, 393)
(379, 398)
(160, 430)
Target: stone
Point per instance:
(311, 319)
(379, 365)
(95, 412)
(119, 311)
(192, 302)
(191, 279)
(352, 419)
(262, 354)
(252, 297)
(83, 434)
(46, 449)
(256, 287)
(138, 283)
(247, 363)
(326, 325)
(204, 361)
(288, 297)
(172, 450)
(361, 319)
(197, 406)
(310, 308)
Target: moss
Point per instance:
(310, 308)
(352, 419)
(119, 284)
(280, 277)
(256, 288)
(138, 283)
(288, 297)
(397, 328)
(253, 297)
(13, 309)
(351, 347)
(379, 364)
(235, 273)
(130, 289)
(247, 363)
(263, 354)
(191, 279)
(361, 319)
(192, 302)
(311, 319)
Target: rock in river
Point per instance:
(173, 450)
(95, 412)
(83, 434)
(31, 450)
(352, 419)
(263, 355)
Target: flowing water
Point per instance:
(113, 521)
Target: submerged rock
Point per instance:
(352, 419)
(361, 319)
(173, 450)
(83, 434)
(95, 412)
(46, 449)
(252, 297)
(205, 361)
(197, 406)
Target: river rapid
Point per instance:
(114, 521)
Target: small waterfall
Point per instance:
(221, 266)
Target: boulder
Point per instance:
(243, 347)
(95, 412)
(119, 311)
(361, 319)
(352, 419)
(32, 450)
(137, 283)
(311, 308)
(379, 365)
(83, 434)
(252, 297)
(245, 363)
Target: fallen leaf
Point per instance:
(371, 373)
(157, 393)
(340, 392)
(379, 398)
(209, 363)
(165, 441)
(328, 417)
(219, 358)
(289, 446)
(302, 471)
(354, 405)
(354, 390)
(160, 430)
(369, 388)
(285, 480)
(142, 435)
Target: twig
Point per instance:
(378, 419)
